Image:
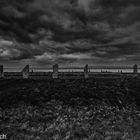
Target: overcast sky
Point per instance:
(45, 32)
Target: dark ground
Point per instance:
(92, 109)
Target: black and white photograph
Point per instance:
(69, 69)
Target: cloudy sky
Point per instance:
(45, 32)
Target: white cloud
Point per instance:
(4, 53)
(5, 43)
(76, 56)
(45, 56)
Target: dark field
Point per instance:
(67, 109)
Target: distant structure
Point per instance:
(32, 70)
(55, 71)
(1, 71)
(86, 71)
(75, 71)
(135, 69)
(25, 72)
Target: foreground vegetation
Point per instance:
(92, 109)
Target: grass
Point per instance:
(62, 122)
(66, 113)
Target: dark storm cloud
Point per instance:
(30, 20)
(9, 25)
(79, 30)
(118, 3)
(24, 23)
